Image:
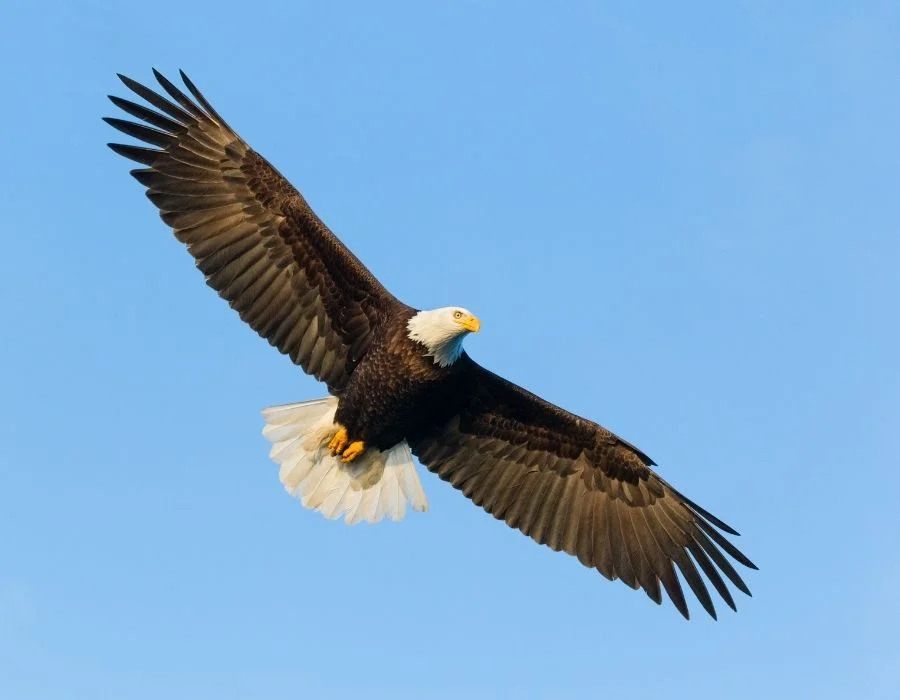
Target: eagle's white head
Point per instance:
(441, 331)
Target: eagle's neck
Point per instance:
(442, 340)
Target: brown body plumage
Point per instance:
(563, 480)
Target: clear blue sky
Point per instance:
(682, 223)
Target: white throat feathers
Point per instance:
(442, 331)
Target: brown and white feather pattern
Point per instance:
(252, 234)
(565, 481)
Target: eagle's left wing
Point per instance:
(574, 486)
(252, 234)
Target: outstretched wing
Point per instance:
(252, 234)
(574, 486)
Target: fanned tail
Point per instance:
(374, 486)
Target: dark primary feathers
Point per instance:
(563, 480)
(574, 486)
(252, 234)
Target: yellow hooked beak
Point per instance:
(471, 324)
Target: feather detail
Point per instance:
(376, 485)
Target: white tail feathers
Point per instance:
(374, 485)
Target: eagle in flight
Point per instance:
(399, 382)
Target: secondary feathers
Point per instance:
(563, 480)
(252, 234)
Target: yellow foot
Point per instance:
(354, 450)
(338, 442)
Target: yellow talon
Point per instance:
(338, 442)
(354, 450)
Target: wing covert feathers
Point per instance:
(572, 485)
(564, 481)
(251, 233)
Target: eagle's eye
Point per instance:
(457, 315)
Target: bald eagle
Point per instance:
(399, 382)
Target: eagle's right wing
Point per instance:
(252, 234)
(575, 486)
